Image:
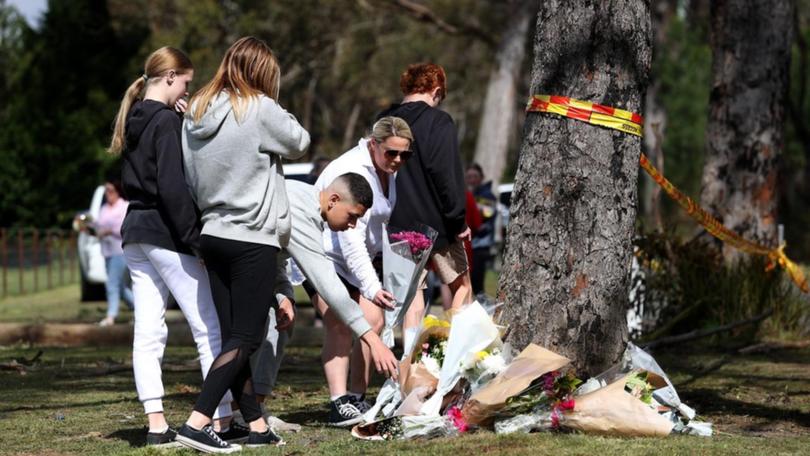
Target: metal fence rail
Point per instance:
(35, 259)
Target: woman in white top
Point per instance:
(356, 253)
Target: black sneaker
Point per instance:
(161, 438)
(205, 440)
(361, 404)
(257, 439)
(236, 433)
(343, 412)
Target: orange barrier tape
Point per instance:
(629, 122)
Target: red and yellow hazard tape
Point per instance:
(631, 123)
(592, 113)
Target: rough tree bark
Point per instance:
(498, 118)
(566, 268)
(744, 135)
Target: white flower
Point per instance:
(431, 365)
(493, 364)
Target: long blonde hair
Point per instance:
(157, 65)
(249, 69)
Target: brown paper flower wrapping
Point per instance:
(613, 411)
(531, 363)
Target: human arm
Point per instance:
(285, 297)
(358, 261)
(281, 134)
(173, 192)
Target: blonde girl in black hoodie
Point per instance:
(161, 230)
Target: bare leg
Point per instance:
(462, 291)
(361, 354)
(157, 421)
(337, 346)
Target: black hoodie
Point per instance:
(430, 186)
(161, 211)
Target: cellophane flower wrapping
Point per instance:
(405, 254)
(471, 331)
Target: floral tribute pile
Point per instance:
(460, 377)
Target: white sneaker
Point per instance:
(107, 321)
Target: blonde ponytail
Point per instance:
(132, 94)
(158, 64)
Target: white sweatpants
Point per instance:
(155, 273)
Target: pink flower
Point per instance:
(567, 404)
(458, 421)
(418, 242)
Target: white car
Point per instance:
(91, 262)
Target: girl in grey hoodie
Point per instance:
(234, 138)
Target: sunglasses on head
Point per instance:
(403, 154)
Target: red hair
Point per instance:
(423, 78)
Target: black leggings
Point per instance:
(242, 278)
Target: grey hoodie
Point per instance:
(234, 169)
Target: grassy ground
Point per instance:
(69, 403)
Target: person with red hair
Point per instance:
(433, 180)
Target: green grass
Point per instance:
(57, 305)
(760, 404)
(35, 279)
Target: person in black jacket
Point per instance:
(161, 231)
(431, 184)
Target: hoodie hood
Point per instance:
(408, 112)
(218, 110)
(139, 117)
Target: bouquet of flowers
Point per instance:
(404, 256)
(627, 400)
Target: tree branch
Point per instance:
(422, 13)
(700, 333)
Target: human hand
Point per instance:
(384, 300)
(465, 235)
(181, 105)
(384, 360)
(285, 315)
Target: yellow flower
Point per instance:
(481, 355)
(431, 321)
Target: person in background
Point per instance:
(432, 185)
(108, 230)
(484, 238)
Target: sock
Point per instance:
(334, 398)
(159, 430)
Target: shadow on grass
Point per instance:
(136, 437)
(710, 401)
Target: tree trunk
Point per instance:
(566, 276)
(744, 136)
(498, 118)
(655, 116)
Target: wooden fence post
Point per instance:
(20, 260)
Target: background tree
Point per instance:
(751, 44)
(568, 249)
(502, 97)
